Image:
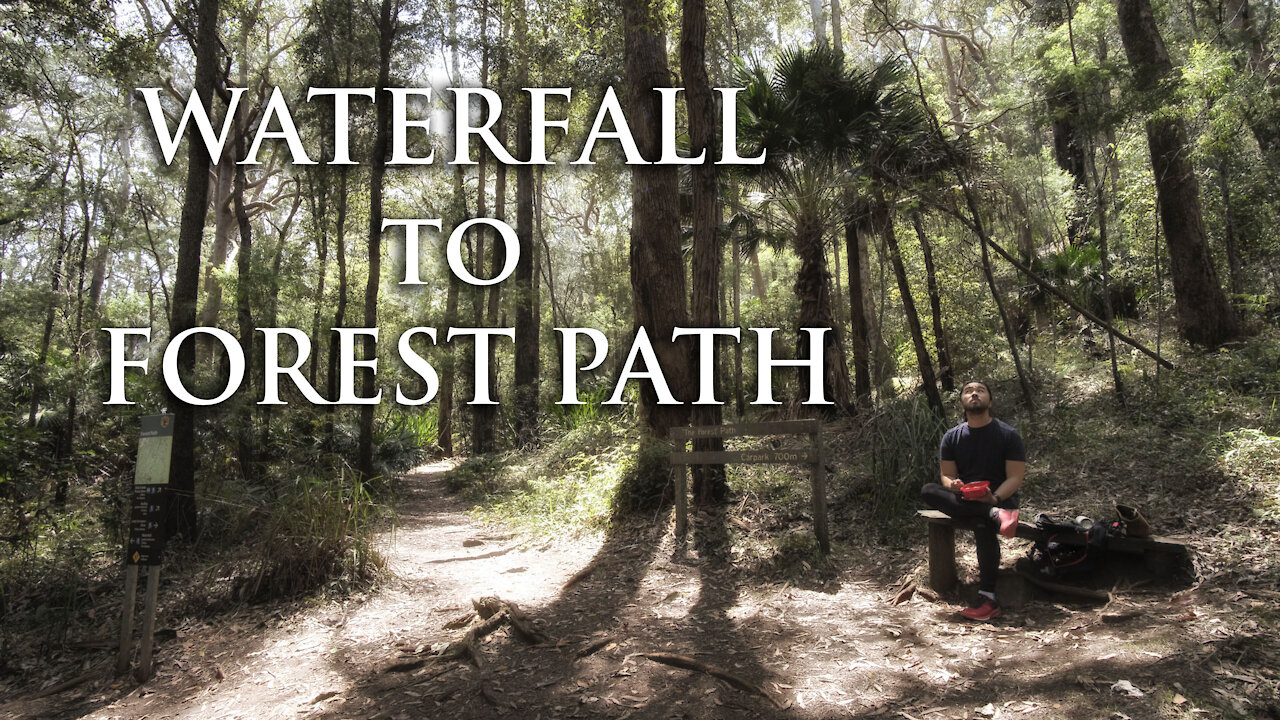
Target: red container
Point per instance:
(975, 490)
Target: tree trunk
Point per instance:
(102, 258)
(320, 208)
(1205, 317)
(377, 173)
(244, 305)
(1069, 141)
(223, 222)
(837, 32)
(757, 275)
(1108, 313)
(481, 435)
(940, 340)
(51, 311)
(448, 371)
(1242, 29)
(855, 247)
(923, 361)
(1028, 397)
(709, 485)
(1235, 268)
(526, 343)
(657, 278)
(340, 312)
(818, 16)
(813, 288)
(739, 393)
(195, 207)
(485, 416)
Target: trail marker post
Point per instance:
(146, 537)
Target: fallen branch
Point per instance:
(1072, 590)
(595, 646)
(481, 556)
(688, 663)
(406, 666)
(1112, 618)
(461, 621)
(494, 613)
(581, 575)
(96, 671)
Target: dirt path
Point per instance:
(831, 648)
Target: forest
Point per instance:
(431, 288)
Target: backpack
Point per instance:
(1061, 557)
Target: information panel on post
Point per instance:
(150, 491)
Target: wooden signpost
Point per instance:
(811, 456)
(146, 537)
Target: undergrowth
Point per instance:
(296, 523)
(570, 483)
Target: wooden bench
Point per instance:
(1158, 553)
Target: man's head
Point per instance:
(975, 398)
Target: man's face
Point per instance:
(975, 397)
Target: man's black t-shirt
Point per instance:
(980, 453)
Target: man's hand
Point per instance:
(954, 484)
(990, 498)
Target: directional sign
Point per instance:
(802, 455)
(150, 491)
(155, 447)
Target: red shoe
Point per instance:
(988, 610)
(1008, 522)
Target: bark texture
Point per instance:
(709, 486)
(1205, 317)
(377, 172)
(813, 288)
(657, 269)
(526, 320)
(195, 208)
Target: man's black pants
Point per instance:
(985, 529)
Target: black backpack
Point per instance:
(1067, 548)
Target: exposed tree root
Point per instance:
(688, 663)
(493, 612)
(461, 621)
(904, 594)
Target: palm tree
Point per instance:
(826, 125)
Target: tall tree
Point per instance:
(817, 118)
(387, 29)
(525, 279)
(709, 486)
(1205, 317)
(928, 380)
(195, 207)
(658, 293)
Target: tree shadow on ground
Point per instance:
(635, 596)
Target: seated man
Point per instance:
(981, 448)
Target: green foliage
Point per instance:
(569, 484)
(796, 552)
(306, 533)
(591, 411)
(903, 457)
(644, 483)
